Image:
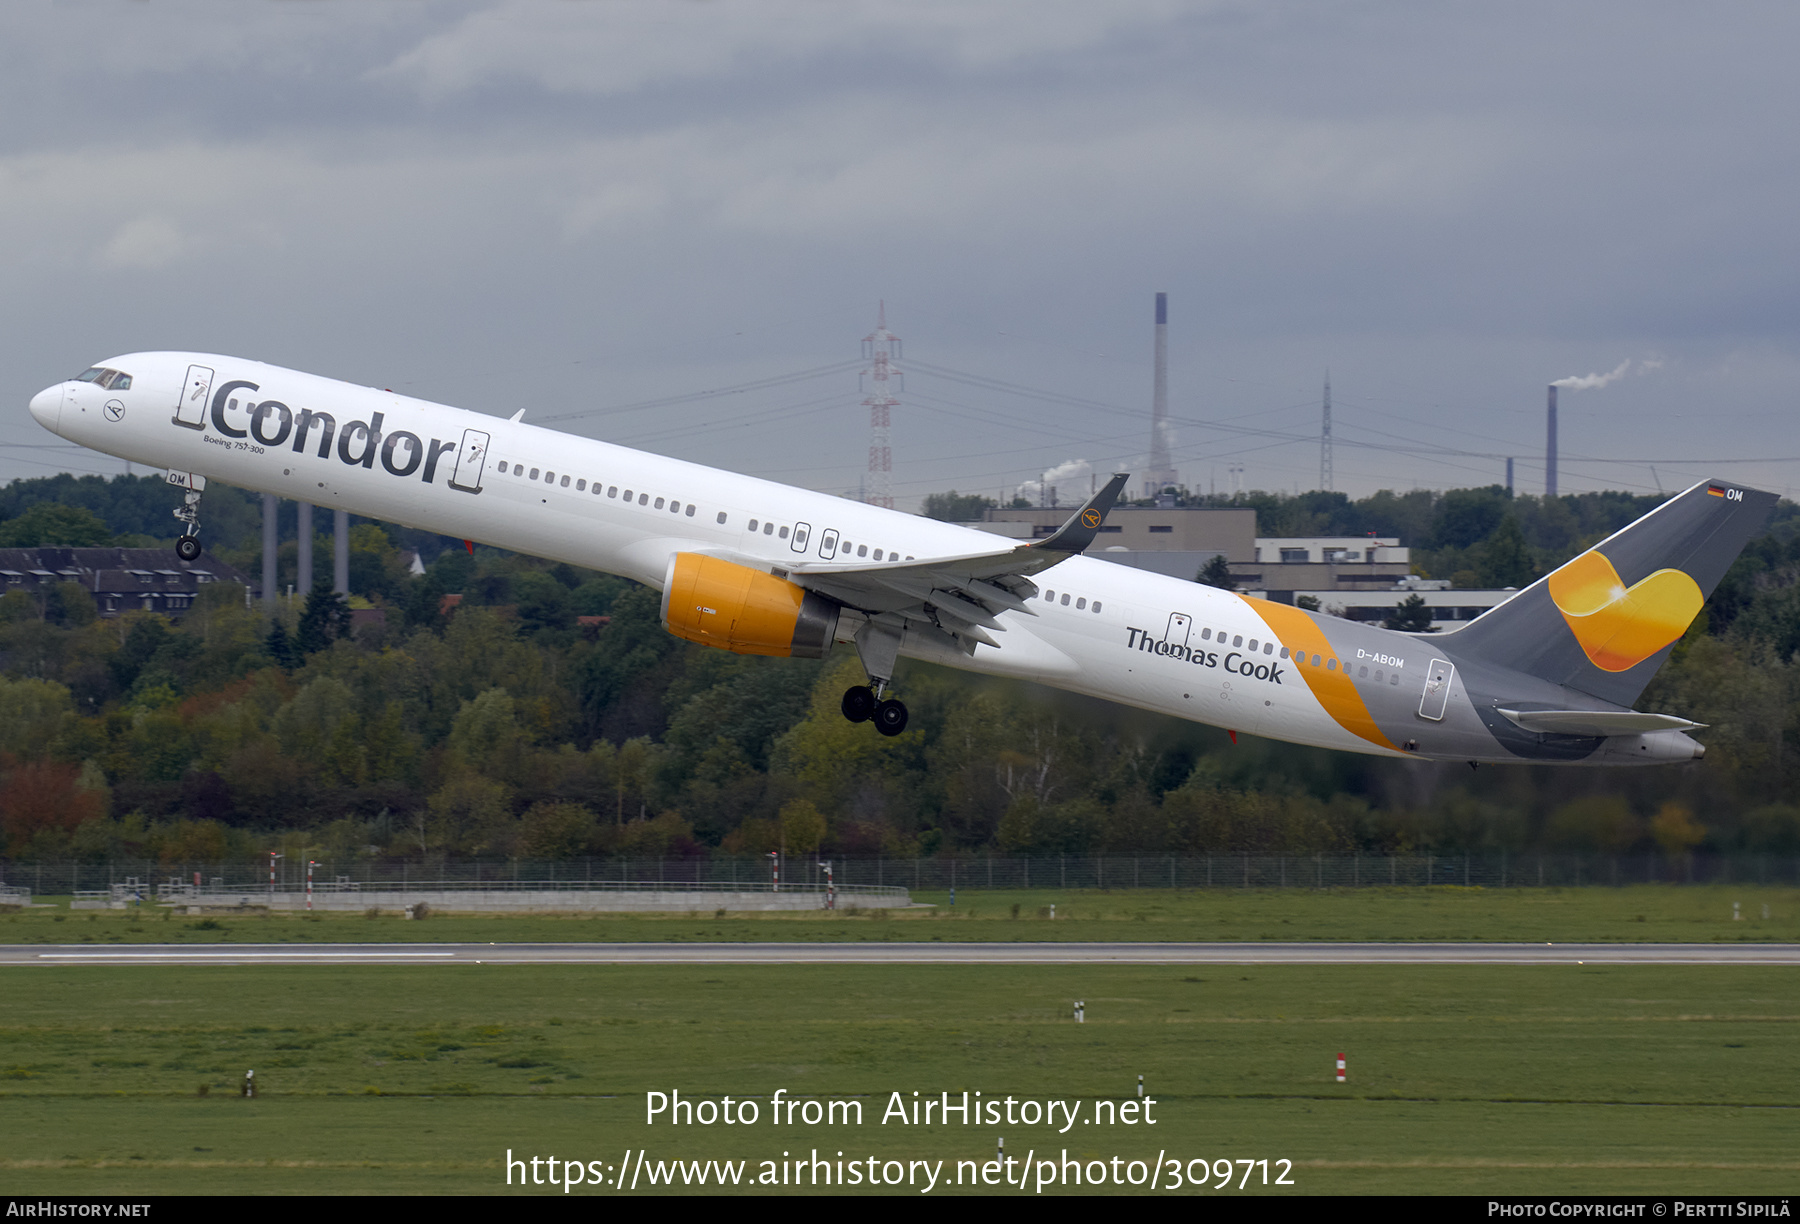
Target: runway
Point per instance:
(469, 954)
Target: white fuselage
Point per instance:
(590, 503)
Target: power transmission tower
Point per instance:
(881, 348)
(1325, 476)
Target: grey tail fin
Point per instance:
(1604, 622)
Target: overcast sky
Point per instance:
(583, 206)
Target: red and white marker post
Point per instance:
(1341, 1076)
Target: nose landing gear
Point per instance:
(187, 547)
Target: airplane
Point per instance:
(761, 568)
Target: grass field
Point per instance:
(1634, 914)
(1525, 1080)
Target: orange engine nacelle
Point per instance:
(745, 611)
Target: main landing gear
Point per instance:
(862, 705)
(187, 547)
(878, 647)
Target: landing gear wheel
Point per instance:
(188, 548)
(890, 718)
(859, 703)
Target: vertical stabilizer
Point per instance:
(1604, 622)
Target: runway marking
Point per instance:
(233, 953)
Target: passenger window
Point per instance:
(1330, 664)
(690, 510)
(1206, 635)
(627, 494)
(1050, 595)
(1082, 602)
(674, 507)
(565, 482)
(596, 488)
(1284, 652)
(752, 524)
(1065, 599)
(782, 534)
(659, 503)
(643, 499)
(1238, 640)
(1377, 675)
(1394, 679)
(503, 467)
(534, 473)
(1252, 644)
(549, 477)
(581, 485)
(768, 528)
(1096, 605)
(721, 517)
(1362, 673)
(1317, 661)
(878, 554)
(613, 491)
(1269, 648)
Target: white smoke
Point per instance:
(1591, 381)
(1070, 479)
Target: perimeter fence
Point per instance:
(1218, 871)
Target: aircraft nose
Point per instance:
(46, 406)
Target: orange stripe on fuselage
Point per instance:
(1335, 690)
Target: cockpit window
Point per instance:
(112, 380)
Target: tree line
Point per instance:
(546, 713)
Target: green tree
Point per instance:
(1410, 615)
(954, 507)
(486, 737)
(280, 647)
(555, 830)
(48, 524)
(802, 827)
(1505, 559)
(325, 619)
(1217, 573)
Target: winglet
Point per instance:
(1076, 534)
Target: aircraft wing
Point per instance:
(962, 595)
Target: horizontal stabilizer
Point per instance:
(1597, 722)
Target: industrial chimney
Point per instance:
(1550, 447)
(1162, 469)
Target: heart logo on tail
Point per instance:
(1619, 626)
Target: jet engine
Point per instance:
(732, 607)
